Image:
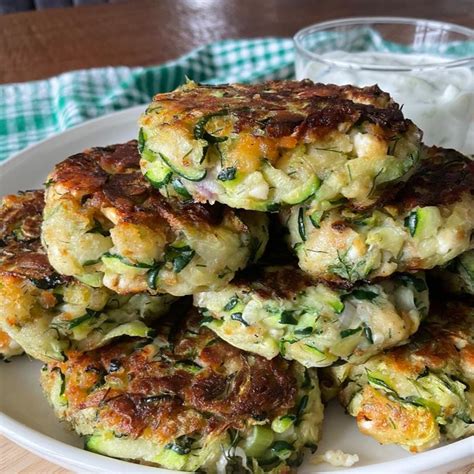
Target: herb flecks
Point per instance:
(179, 256)
(301, 224)
(227, 174)
(238, 317)
(411, 222)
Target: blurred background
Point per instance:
(48, 37)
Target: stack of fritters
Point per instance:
(105, 225)
(47, 313)
(129, 232)
(367, 208)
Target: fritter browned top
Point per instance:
(20, 216)
(413, 394)
(190, 382)
(280, 282)
(21, 253)
(282, 108)
(110, 177)
(443, 176)
(447, 340)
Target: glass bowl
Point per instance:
(426, 66)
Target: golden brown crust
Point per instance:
(21, 252)
(443, 177)
(417, 393)
(392, 422)
(438, 344)
(110, 177)
(283, 108)
(128, 384)
(21, 215)
(31, 264)
(283, 282)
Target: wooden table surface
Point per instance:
(35, 45)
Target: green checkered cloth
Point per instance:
(32, 111)
(35, 110)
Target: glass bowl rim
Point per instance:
(364, 20)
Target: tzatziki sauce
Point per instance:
(438, 99)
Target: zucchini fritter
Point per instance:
(188, 401)
(280, 310)
(414, 394)
(104, 224)
(428, 222)
(278, 143)
(44, 312)
(458, 275)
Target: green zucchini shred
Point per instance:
(152, 276)
(239, 317)
(368, 333)
(232, 303)
(361, 294)
(179, 256)
(180, 189)
(141, 140)
(287, 317)
(349, 332)
(90, 314)
(304, 331)
(200, 131)
(411, 221)
(301, 225)
(227, 174)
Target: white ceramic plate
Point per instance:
(26, 418)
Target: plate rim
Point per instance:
(44, 446)
(119, 115)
